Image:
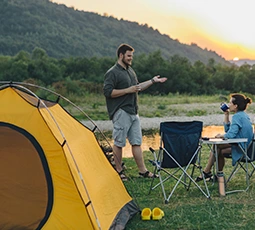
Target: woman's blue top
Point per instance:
(240, 127)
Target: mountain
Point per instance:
(65, 32)
(241, 62)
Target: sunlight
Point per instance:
(235, 59)
(219, 29)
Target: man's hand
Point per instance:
(134, 88)
(159, 79)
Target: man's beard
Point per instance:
(124, 62)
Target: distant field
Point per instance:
(154, 106)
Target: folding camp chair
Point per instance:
(178, 156)
(246, 164)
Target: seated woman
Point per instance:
(240, 127)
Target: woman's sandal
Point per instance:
(122, 175)
(206, 175)
(148, 174)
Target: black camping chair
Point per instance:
(245, 163)
(178, 156)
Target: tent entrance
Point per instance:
(26, 185)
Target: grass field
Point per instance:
(186, 210)
(154, 106)
(191, 209)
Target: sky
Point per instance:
(223, 26)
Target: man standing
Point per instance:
(121, 87)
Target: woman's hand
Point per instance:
(226, 117)
(219, 135)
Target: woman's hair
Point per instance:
(241, 101)
(123, 48)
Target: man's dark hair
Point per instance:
(123, 48)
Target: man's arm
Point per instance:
(156, 79)
(137, 88)
(121, 92)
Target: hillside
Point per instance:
(64, 32)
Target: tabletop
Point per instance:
(218, 141)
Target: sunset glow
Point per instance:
(220, 26)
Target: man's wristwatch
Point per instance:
(152, 80)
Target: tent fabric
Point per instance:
(53, 172)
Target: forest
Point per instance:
(83, 75)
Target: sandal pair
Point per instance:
(148, 174)
(208, 177)
(154, 214)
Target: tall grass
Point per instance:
(191, 209)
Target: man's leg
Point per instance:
(117, 151)
(119, 135)
(135, 139)
(138, 155)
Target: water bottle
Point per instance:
(221, 182)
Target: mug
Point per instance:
(224, 107)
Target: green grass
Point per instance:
(153, 106)
(185, 210)
(191, 209)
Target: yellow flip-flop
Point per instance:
(146, 214)
(157, 214)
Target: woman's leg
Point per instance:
(207, 170)
(222, 151)
(210, 163)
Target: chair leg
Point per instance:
(240, 165)
(181, 174)
(253, 169)
(192, 172)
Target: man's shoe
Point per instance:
(122, 175)
(148, 174)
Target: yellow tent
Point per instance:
(53, 172)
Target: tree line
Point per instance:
(82, 75)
